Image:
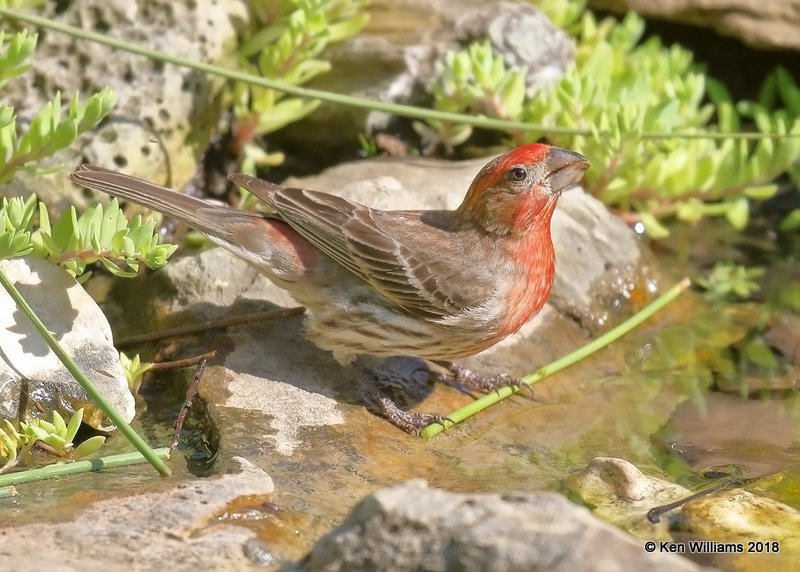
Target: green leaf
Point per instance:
(91, 445)
(653, 228)
(737, 213)
(57, 442)
(73, 426)
(791, 222)
(13, 55)
(285, 112)
(36, 432)
(760, 192)
(63, 136)
(59, 424)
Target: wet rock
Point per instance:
(767, 24)
(717, 528)
(33, 381)
(413, 527)
(621, 494)
(177, 528)
(277, 374)
(395, 59)
(767, 530)
(159, 106)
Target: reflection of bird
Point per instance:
(438, 285)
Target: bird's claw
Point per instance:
(472, 379)
(410, 421)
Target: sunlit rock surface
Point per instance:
(33, 381)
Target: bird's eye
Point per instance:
(517, 174)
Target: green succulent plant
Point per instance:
(284, 41)
(730, 281)
(57, 437)
(631, 97)
(100, 234)
(49, 131)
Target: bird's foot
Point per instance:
(470, 378)
(409, 421)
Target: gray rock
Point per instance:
(33, 381)
(413, 527)
(395, 58)
(176, 528)
(509, 27)
(159, 106)
(771, 24)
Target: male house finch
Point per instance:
(437, 285)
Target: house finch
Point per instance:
(437, 285)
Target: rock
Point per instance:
(413, 527)
(33, 381)
(180, 526)
(395, 59)
(159, 106)
(766, 529)
(759, 24)
(509, 27)
(621, 494)
(290, 380)
(732, 529)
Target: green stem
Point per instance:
(84, 466)
(6, 492)
(87, 385)
(562, 363)
(347, 100)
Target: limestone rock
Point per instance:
(33, 381)
(413, 527)
(771, 24)
(160, 107)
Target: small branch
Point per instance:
(562, 363)
(185, 362)
(42, 446)
(187, 404)
(654, 514)
(209, 325)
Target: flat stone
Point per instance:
(178, 528)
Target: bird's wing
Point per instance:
(426, 280)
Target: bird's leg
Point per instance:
(470, 378)
(410, 422)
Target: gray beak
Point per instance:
(566, 168)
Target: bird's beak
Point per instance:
(566, 169)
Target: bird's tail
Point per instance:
(210, 219)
